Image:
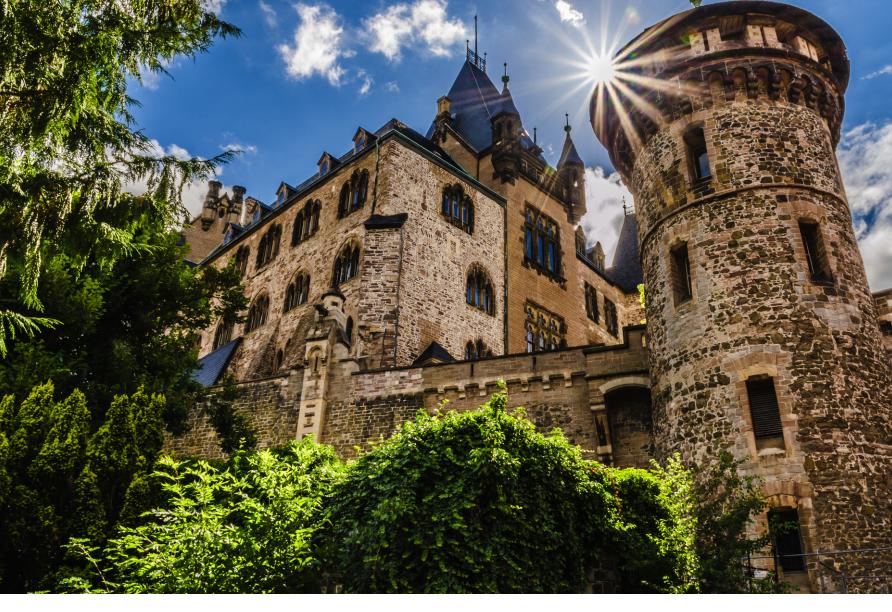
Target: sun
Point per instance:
(600, 68)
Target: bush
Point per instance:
(481, 502)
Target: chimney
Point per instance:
(210, 204)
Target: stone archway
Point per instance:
(630, 419)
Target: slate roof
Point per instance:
(210, 367)
(434, 353)
(569, 155)
(626, 268)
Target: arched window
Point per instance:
(277, 360)
(353, 193)
(257, 313)
(458, 208)
(241, 259)
(223, 334)
(349, 329)
(346, 265)
(476, 350)
(314, 225)
(297, 292)
(269, 245)
(479, 291)
(297, 234)
(542, 243)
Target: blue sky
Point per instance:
(305, 75)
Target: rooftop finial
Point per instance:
(505, 77)
(567, 127)
(535, 136)
(625, 208)
(475, 34)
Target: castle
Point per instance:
(416, 268)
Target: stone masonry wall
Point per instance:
(755, 310)
(883, 301)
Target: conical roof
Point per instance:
(569, 155)
(626, 269)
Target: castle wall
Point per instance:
(883, 301)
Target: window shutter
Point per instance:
(764, 408)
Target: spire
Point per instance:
(475, 35)
(505, 78)
(569, 155)
(567, 127)
(535, 136)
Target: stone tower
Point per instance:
(762, 334)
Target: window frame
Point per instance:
(816, 256)
(542, 244)
(543, 329)
(346, 265)
(696, 150)
(611, 320)
(680, 273)
(457, 207)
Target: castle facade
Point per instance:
(416, 268)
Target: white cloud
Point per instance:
(864, 155)
(367, 82)
(604, 209)
(269, 14)
(391, 86)
(882, 71)
(568, 13)
(424, 22)
(317, 45)
(214, 6)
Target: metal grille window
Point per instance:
(815, 252)
(681, 273)
(787, 539)
(764, 408)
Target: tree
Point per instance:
(124, 323)
(480, 502)
(67, 140)
(243, 528)
(59, 478)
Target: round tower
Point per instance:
(762, 335)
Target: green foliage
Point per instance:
(243, 528)
(233, 429)
(642, 301)
(124, 324)
(481, 502)
(57, 480)
(68, 145)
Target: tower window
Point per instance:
(764, 410)
(297, 292)
(354, 193)
(610, 319)
(545, 331)
(306, 222)
(681, 273)
(698, 157)
(787, 539)
(815, 252)
(591, 303)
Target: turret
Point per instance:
(209, 210)
(506, 133)
(571, 170)
(762, 336)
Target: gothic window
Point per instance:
(815, 252)
(764, 409)
(297, 292)
(348, 331)
(257, 313)
(458, 208)
(269, 245)
(680, 271)
(542, 243)
(306, 222)
(241, 259)
(698, 157)
(580, 242)
(610, 320)
(479, 291)
(591, 303)
(787, 538)
(277, 360)
(346, 265)
(354, 193)
(545, 331)
(223, 334)
(476, 350)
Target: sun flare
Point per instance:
(600, 68)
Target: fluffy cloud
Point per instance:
(214, 6)
(317, 45)
(568, 13)
(424, 22)
(604, 208)
(366, 83)
(882, 71)
(864, 155)
(237, 146)
(392, 86)
(269, 14)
